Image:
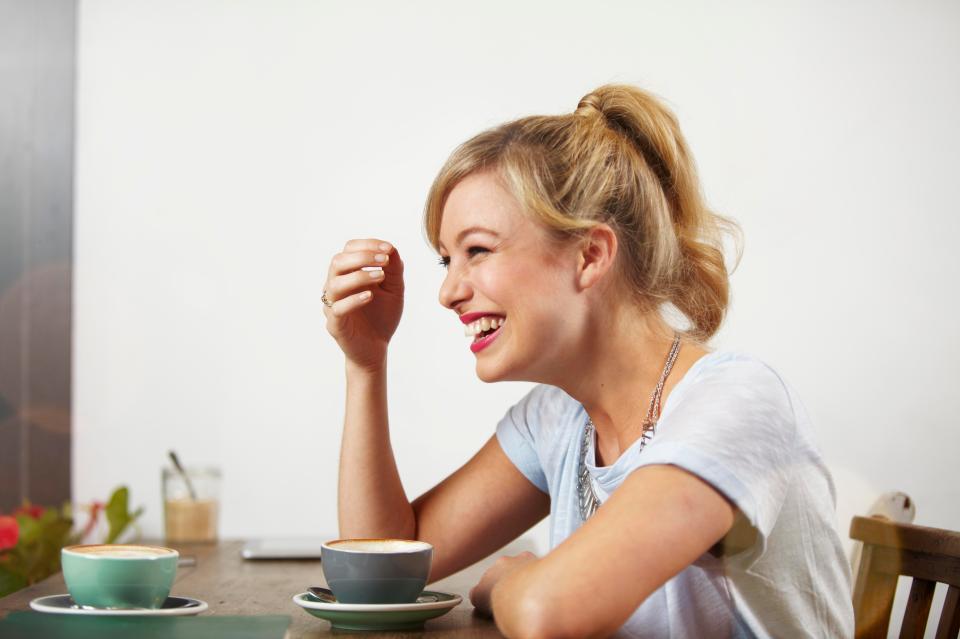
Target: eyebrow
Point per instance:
(467, 231)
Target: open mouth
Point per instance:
(484, 327)
(484, 331)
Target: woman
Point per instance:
(684, 490)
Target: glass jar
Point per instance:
(191, 505)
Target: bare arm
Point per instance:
(614, 547)
(479, 508)
(371, 500)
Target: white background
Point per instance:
(227, 149)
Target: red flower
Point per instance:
(95, 510)
(9, 532)
(29, 509)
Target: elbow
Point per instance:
(534, 618)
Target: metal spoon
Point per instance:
(322, 594)
(183, 474)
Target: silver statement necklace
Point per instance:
(587, 495)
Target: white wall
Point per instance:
(228, 149)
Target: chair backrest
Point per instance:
(890, 549)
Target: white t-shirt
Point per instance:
(734, 423)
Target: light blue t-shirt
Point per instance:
(734, 423)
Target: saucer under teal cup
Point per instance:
(119, 575)
(376, 571)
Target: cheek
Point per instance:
(522, 285)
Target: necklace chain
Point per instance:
(588, 500)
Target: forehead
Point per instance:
(480, 200)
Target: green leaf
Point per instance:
(118, 513)
(30, 529)
(10, 581)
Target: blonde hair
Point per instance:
(619, 159)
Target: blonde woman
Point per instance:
(685, 494)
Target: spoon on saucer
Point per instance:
(322, 594)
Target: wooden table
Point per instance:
(234, 586)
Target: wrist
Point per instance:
(356, 370)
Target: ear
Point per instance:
(597, 255)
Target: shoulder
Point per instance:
(733, 377)
(544, 403)
(734, 367)
(544, 407)
(733, 394)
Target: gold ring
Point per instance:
(326, 302)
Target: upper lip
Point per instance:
(467, 318)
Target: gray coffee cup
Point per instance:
(376, 570)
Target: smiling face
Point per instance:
(508, 279)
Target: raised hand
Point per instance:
(365, 306)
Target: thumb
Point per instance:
(393, 273)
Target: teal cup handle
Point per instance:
(119, 576)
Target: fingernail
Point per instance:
(365, 295)
(376, 274)
(380, 257)
(385, 247)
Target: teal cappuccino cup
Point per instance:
(119, 575)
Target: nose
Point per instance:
(455, 289)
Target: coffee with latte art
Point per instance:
(379, 545)
(121, 551)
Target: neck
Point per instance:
(618, 368)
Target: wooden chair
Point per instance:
(890, 549)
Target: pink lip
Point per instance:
(482, 343)
(467, 318)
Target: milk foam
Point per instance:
(121, 552)
(380, 545)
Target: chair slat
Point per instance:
(883, 532)
(872, 597)
(917, 564)
(918, 609)
(949, 626)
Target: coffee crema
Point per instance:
(379, 545)
(121, 551)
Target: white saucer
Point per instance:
(382, 617)
(172, 607)
(428, 600)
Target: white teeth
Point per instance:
(481, 325)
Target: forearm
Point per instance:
(371, 499)
(615, 547)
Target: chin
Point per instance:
(489, 374)
(494, 370)
(499, 371)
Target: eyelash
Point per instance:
(445, 261)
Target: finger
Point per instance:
(377, 246)
(369, 244)
(343, 263)
(348, 304)
(345, 285)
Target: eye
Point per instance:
(444, 261)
